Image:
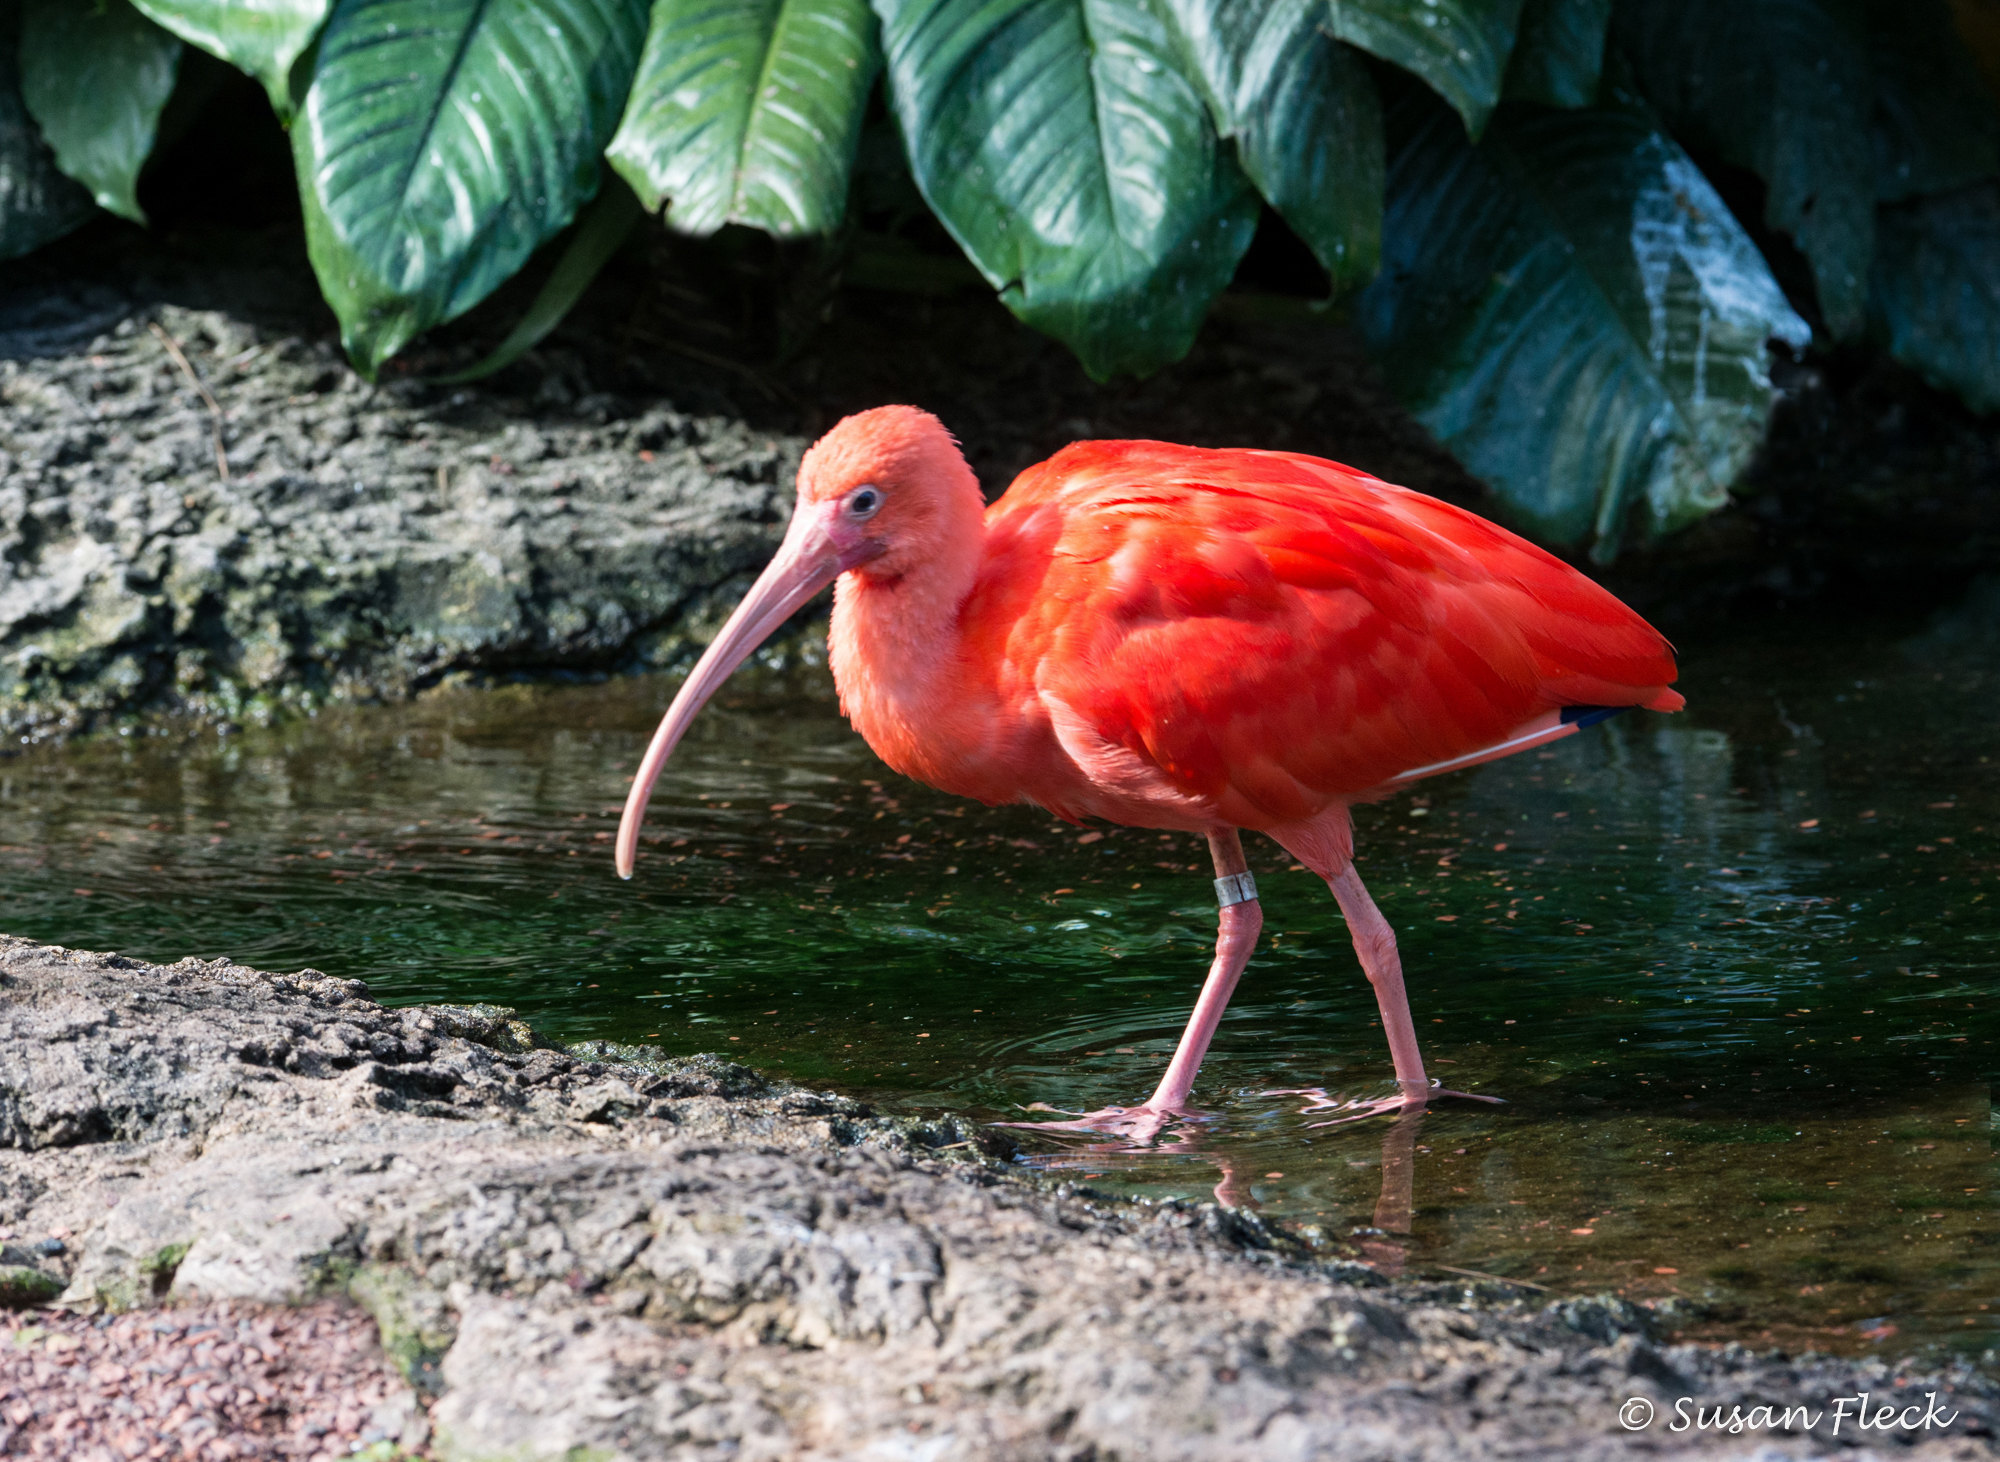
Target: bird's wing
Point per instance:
(1273, 630)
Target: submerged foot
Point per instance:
(1140, 1125)
(1360, 1109)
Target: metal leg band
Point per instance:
(1237, 888)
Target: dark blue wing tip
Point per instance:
(1581, 716)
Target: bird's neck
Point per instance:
(894, 640)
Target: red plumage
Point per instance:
(1273, 631)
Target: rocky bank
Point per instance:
(601, 1254)
(199, 513)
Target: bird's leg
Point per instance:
(1326, 846)
(1375, 943)
(1242, 918)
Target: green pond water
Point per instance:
(1732, 970)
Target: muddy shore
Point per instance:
(597, 1252)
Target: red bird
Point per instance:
(1171, 637)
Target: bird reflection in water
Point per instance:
(1384, 1243)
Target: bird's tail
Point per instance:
(1547, 727)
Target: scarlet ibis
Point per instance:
(1179, 638)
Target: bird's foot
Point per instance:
(1356, 1109)
(1139, 1125)
(1387, 1254)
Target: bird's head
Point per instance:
(879, 495)
(881, 490)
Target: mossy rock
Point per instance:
(497, 1027)
(23, 1288)
(416, 1325)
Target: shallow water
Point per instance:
(1731, 970)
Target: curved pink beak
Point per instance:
(808, 560)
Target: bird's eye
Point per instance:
(863, 502)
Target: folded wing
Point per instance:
(1273, 631)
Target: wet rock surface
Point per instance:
(599, 1253)
(208, 511)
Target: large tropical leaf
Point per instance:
(599, 232)
(96, 76)
(1937, 287)
(1458, 47)
(749, 111)
(1781, 87)
(441, 141)
(262, 37)
(1559, 53)
(37, 202)
(1936, 125)
(1572, 310)
(1073, 158)
(1305, 117)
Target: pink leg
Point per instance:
(1375, 943)
(1326, 846)
(1238, 936)
(1235, 939)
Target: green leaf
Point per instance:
(1936, 127)
(442, 141)
(37, 202)
(1937, 289)
(1781, 87)
(600, 231)
(1571, 309)
(1305, 117)
(95, 74)
(264, 38)
(1459, 48)
(1071, 156)
(1559, 53)
(748, 111)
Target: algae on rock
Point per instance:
(365, 542)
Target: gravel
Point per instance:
(205, 1382)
